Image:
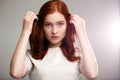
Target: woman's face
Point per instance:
(54, 28)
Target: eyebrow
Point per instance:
(60, 21)
(56, 22)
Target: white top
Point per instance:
(54, 66)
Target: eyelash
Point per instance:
(49, 24)
(61, 24)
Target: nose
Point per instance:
(54, 30)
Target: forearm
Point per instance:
(89, 67)
(89, 64)
(17, 67)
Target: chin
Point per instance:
(55, 43)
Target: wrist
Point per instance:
(82, 34)
(25, 32)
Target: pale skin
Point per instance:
(56, 27)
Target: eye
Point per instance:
(47, 25)
(60, 24)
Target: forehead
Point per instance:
(56, 16)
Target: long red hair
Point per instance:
(38, 42)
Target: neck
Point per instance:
(54, 45)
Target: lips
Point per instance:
(54, 37)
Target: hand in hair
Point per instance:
(28, 21)
(79, 24)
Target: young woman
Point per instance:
(53, 54)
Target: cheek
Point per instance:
(46, 32)
(63, 30)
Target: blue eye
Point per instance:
(60, 24)
(47, 25)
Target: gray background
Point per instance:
(99, 15)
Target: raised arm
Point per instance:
(17, 66)
(89, 66)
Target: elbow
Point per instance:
(93, 74)
(16, 75)
(93, 77)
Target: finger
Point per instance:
(73, 22)
(74, 15)
(32, 19)
(27, 14)
(36, 17)
(77, 17)
(33, 14)
(74, 19)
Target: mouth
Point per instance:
(54, 37)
